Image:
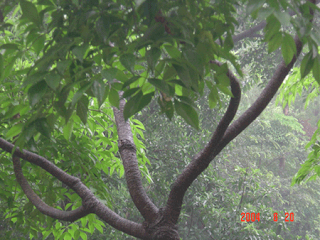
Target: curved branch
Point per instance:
(90, 203)
(201, 161)
(128, 154)
(263, 100)
(42, 206)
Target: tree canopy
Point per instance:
(74, 76)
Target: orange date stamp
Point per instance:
(252, 217)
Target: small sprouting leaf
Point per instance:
(82, 109)
(36, 92)
(128, 61)
(114, 97)
(188, 113)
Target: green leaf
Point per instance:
(273, 26)
(82, 109)
(213, 97)
(13, 46)
(275, 42)
(159, 68)
(283, 17)
(316, 69)
(223, 80)
(136, 104)
(114, 97)
(188, 113)
(131, 80)
(183, 74)
(80, 51)
(36, 92)
(39, 44)
(169, 72)
(67, 130)
(128, 61)
(80, 92)
(145, 100)
(34, 78)
(130, 92)
(63, 65)
(109, 74)
(1, 65)
(98, 89)
(225, 90)
(162, 86)
(132, 106)
(306, 65)
(153, 56)
(172, 51)
(43, 127)
(14, 131)
(288, 48)
(30, 12)
(53, 80)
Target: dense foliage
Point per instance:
(80, 80)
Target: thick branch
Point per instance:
(39, 204)
(263, 100)
(128, 154)
(201, 161)
(260, 104)
(90, 204)
(250, 32)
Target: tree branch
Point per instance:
(42, 206)
(90, 204)
(128, 154)
(201, 161)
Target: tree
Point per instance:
(64, 64)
